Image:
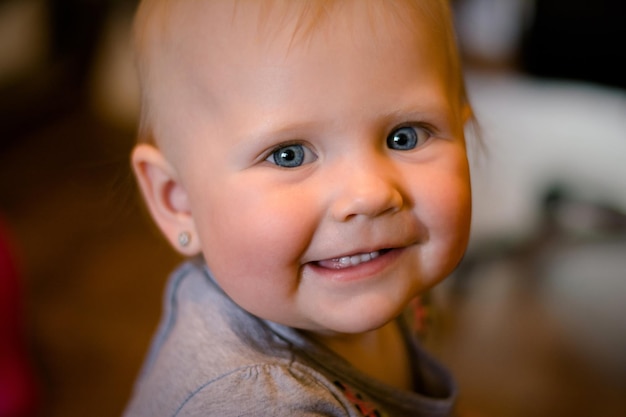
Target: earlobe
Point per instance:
(166, 198)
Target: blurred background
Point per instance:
(533, 322)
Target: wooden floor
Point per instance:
(94, 270)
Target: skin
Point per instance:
(274, 236)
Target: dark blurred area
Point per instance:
(532, 323)
(577, 39)
(65, 38)
(81, 267)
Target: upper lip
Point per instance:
(358, 252)
(362, 250)
(384, 238)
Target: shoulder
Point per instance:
(208, 354)
(267, 389)
(276, 389)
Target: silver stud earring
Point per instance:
(184, 238)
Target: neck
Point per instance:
(380, 353)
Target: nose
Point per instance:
(366, 190)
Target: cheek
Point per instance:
(446, 213)
(458, 208)
(253, 241)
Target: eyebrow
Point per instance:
(432, 108)
(276, 131)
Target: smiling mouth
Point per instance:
(350, 261)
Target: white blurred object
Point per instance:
(538, 133)
(492, 29)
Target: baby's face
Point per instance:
(327, 176)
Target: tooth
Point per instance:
(346, 261)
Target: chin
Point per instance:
(365, 322)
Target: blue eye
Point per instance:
(406, 138)
(291, 156)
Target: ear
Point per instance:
(165, 196)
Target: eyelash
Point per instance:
(306, 152)
(418, 129)
(301, 152)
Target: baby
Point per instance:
(309, 159)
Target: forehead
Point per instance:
(163, 27)
(157, 16)
(181, 41)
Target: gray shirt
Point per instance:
(212, 358)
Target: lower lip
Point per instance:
(362, 271)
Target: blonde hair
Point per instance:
(152, 28)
